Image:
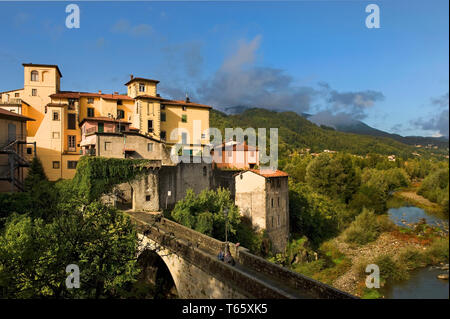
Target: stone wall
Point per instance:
(277, 212)
(288, 277)
(178, 179)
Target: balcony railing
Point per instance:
(11, 101)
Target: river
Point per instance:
(423, 283)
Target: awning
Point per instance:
(90, 140)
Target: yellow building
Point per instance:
(57, 115)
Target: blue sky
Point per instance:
(308, 56)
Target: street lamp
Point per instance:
(225, 214)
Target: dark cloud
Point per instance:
(353, 104)
(239, 81)
(329, 118)
(437, 122)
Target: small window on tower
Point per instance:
(90, 112)
(34, 92)
(184, 118)
(141, 87)
(34, 76)
(90, 100)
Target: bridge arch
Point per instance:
(155, 272)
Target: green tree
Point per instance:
(205, 212)
(333, 176)
(314, 215)
(97, 238)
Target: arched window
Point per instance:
(35, 76)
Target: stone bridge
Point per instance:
(191, 260)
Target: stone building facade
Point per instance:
(263, 197)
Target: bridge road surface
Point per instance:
(273, 282)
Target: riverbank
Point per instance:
(410, 196)
(400, 252)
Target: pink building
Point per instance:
(92, 125)
(235, 155)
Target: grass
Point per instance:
(331, 264)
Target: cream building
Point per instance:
(263, 197)
(57, 115)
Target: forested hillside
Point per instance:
(296, 132)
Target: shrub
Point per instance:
(366, 227)
(390, 270)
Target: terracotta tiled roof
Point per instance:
(142, 80)
(77, 95)
(269, 173)
(11, 91)
(7, 114)
(239, 147)
(45, 66)
(184, 103)
(103, 119)
(173, 102)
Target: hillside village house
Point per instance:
(234, 155)
(58, 114)
(14, 153)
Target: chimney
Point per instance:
(187, 99)
(99, 92)
(131, 77)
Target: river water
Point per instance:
(423, 283)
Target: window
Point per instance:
(272, 202)
(272, 221)
(71, 142)
(55, 135)
(203, 135)
(278, 220)
(72, 164)
(90, 112)
(184, 108)
(163, 135)
(184, 118)
(141, 87)
(71, 104)
(55, 116)
(55, 164)
(120, 114)
(71, 121)
(150, 126)
(100, 127)
(163, 107)
(147, 198)
(119, 102)
(90, 100)
(34, 92)
(184, 138)
(278, 201)
(108, 146)
(16, 94)
(163, 116)
(150, 147)
(29, 150)
(34, 76)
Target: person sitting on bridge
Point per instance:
(220, 256)
(229, 259)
